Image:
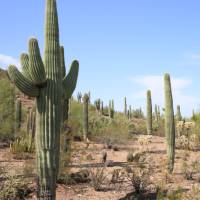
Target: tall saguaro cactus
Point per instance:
(149, 113)
(43, 80)
(169, 123)
(85, 116)
(18, 113)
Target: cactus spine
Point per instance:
(169, 123)
(18, 113)
(85, 116)
(149, 113)
(125, 107)
(178, 113)
(43, 80)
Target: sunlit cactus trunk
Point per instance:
(43, 80)
(169, 123)
(149, 113)
(85, 116)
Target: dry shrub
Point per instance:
(98, 177)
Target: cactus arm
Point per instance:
(62, 61)
(24, 60)
(70, 80)
(37, 70)
(22, 82)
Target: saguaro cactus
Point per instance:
(97, 104)
(130, 112)
(18, 113)
(79, 97)
(85, 116)
(169, 123)
(101, 107)
(125, 107)
(149, 113)
(43, 80)
(178, 113)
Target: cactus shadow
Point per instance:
(98, 165)
(135, 196)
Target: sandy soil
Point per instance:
(86, 158)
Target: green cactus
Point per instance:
(43, 80)
(102, 108)
(178, 113)
(112, 109)
(18, 113)
(149, 113)
(130, 112)
(156, 113)
(85, 116)
(97, 104)
(79, 97)
(125, 107)
(169, 123)
(31, 122)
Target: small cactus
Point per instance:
(85, 116)
(97, 104)
(149, 113)
(130, 157)
(79, 97)
(169, 123)
(178, 113)
(125, 107)
(18, 113)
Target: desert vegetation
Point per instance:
(55, 144)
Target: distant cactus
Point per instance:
(169, 123)
(42, 79)
(178, 113)
(113, 109)
(79, 97)
(97, 104)
(130, 112)
(31, 122)
(18, 113)
(156, 113)
(102, 107)
(85, 116)
(125, 107)
(149, 113)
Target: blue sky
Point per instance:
(124, 47)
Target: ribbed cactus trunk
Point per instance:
(43, 80)
(85, 116)
(178, 113)
(18, 113)
(156, 113)
(149, 113)
(125, 107)
(169, 123)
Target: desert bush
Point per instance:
(14, 189)
(7, 108)
(22, 145)
(98, 177)
(187, 171)
(193, 194)
(138, 179)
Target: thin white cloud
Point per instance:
(156, 84)
(5, 61)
